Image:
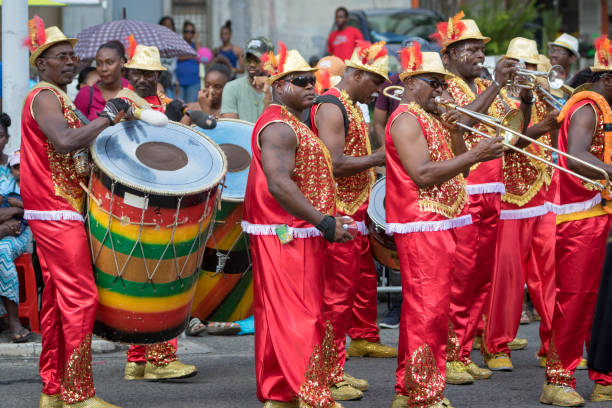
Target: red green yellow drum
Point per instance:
(150, 212)
(383, 245)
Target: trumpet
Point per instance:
(509, 143)
(526, 78)
(549, 98)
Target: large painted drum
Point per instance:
(383, 245)
(225, 285)
(152, 199)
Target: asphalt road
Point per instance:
(226, 379)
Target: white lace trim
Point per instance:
(58, 215)
(270, 229)
(427, 226)
(574, 207)
(486, 188)
(523, 213)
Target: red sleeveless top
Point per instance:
(312, 173)
(49, 182)
(410, 208)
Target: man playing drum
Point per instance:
(426, 201)
(288, 207)
(53, 204)
(351, 276)
(155, 361)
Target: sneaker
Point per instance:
(478, 373)
(134, 371)
(456, 373)
(601, 393)
(342, 391)
(93, 402)
(172, 370)
(561, 396)
(400, 401)
(391, 318)
(518, 344)
(50, 401)
(358, 383)
(364, 348)
(500, 362)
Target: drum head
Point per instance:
(233, 137)
(173, 160)
(376, 207)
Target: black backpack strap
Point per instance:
(329, 99)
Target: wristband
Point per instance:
(327, 226)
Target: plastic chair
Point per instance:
(28, 292)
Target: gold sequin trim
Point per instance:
(452, 344)
(555, 373)
(160, 354)
(424, 382)
(314, 391)
(77, 380)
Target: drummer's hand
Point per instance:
(114, 108)
(341, 234)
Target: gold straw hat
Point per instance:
(284, 63)
(370, 57)
(415, 62)
(603, 54)
(456, 30)
(40, 39)
(145, 58)
(523, 49)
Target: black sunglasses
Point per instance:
(434, 83)
(302, 81)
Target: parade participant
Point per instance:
(342, 41)
(339, 123)
(230, 51)
(464, 49)
(245, 98)
(582, 230)
(53, 205)
(525, 252)
(288, 208)
(426, 201)
(564, 52)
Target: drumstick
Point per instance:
(150, 116)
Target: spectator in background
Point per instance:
(383, 109)
(87, 77)
(168, 77)
(188, 67)
(209, 98)
(341, 42)
(564, 52)
(246, 97)
(110, 59)
(232, 52)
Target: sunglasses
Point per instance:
(302, 81)
(434, 83)
(64, 58)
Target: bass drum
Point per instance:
(225, 286)
(383, 245)
(152, 201)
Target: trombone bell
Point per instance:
(394, 92)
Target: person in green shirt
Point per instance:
(245, 98)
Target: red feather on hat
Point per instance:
(411, 57)
(323, 80)
(370, 52)
(36, 34)
(603, 50)
(282, 57)
(131, 49)
(449, 30)
(274, 64)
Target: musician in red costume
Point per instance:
(525, 252)
(582, 230)
(154, 361)
(464, 49)
(288, 207)
(350, 273)
(426, 203)
(53, 205)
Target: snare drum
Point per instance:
(152, 199)
(383, 245)
(225, 286)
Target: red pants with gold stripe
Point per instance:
(427, 260)
(292, 357)
(471, 279)
(68, 309)
(157, 354)
(525, 254)
(580, 251)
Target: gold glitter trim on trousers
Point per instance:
(424, 382)
(160, 354)
(555, 373)
(452, 344)
(77, 381)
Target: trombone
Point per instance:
(486, 120)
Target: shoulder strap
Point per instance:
(329, 99)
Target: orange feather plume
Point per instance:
(603, 50)
(411, 57)
(275, 64)
(449, 30)
(36, 34)
(282, 56)
(131, 48)
(371, 52)
(323, 81)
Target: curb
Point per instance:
(33, 349)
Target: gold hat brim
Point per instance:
(273, 78)
(404, 75)
(600, 69)
(351, 64)
(34, 56)
(469, 37)
(147, 67)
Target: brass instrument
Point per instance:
(526, 78)
(486, 120)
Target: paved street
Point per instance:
(226, 379)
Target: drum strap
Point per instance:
(333, 100)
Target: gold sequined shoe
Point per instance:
(456, 373)
(364, 348)
(446, 403)
(400, 401)
(134, 371)
(172, 370)
(358, 383)
(49, 401)
(478, 373)
(500, 362)
(342, 391)
(601, 393)
(518, 344)
(582, 365)
(477, 343)
(543, 362)
(93, 402)
(280, 404)
(561, 396)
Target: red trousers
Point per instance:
(427, 260)
(156, 354)
(68, 311)
(580, 251)
(525, 254)
(288, 302)
(471, 279)
(600, 378)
